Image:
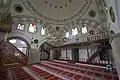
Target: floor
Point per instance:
(58, 70)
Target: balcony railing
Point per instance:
(88, 38)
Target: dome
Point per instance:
(57, 11)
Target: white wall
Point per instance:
(115, 5)
(63, 54)
(69, 53)
(34, 56)
(51, 54)
(83, 54)
(116, 53)
(116, 28)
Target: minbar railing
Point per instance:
(94, 52)
(9, 51)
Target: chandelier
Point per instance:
(57, 41)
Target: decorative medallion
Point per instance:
(18, 8)
(57, 28)
(36, 41)
(92, 13)
(63, 15)
(112, 14)
(48, 3)
(91, 32)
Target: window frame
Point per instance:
(20, 29)
(32, 32)
(77, 31)
(82, 32)
(41, 31)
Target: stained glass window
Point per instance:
(32, 28)
(21, 26)
(43, 31)
(84, 30)
(74, 31)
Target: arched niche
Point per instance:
(21, 43)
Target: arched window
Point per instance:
(12, 41)
(84, 30)
(67, 34)
(21, 26)
(43, 31)
(32, 28)
(20, 44)
(74, 31)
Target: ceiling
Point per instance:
(65, 14)
(57, 11)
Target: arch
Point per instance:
(45, 43)
(20, 38)
(22, 44)
(45, 48)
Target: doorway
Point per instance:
(75, 54)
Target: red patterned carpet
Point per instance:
(55, 70)
(15, 74)
(58, 70)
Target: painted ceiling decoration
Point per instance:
(18, 8)
(92, 13)
(102, 13)
(61, 16)
(48, 3)
(57, 28)
(74, 10)
(4, 8)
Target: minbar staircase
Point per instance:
(10, 56)
(94, 53)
